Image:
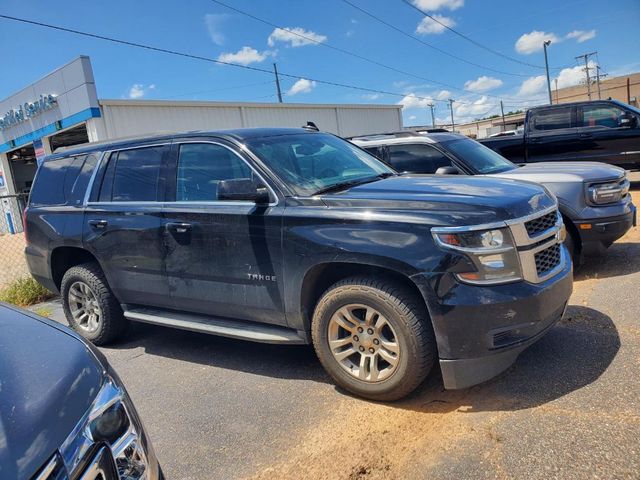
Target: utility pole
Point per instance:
(545, 44)
(502, 111)
(586, 70)
(275, 72)
(598, 75)
(557, 94)
(453, 125)
(433, 116)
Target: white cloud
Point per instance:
(433, 5)
(428, 26)
(532, 42)
(533, 86)
(295, 37)
(411, 100)
(213, 23)
(582, 35)
(371, 96)
(568, 77)
(483, 84)
(139, 90)
(443, 94)
(302, 86)
(244, 56)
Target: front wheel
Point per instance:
(374, 338)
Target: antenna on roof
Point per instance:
(312, 127)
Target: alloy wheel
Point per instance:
(364, 343)
(84, 306)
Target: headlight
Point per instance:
(609, 192)
(113, 422)
(492, 252)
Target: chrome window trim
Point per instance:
(87, 194)
(227, 202)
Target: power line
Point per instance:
(235, 87)
(427, 44)
(469, 39)
(346, 52)
(211, 60)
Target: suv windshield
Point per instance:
(477, 156)
(312, 163)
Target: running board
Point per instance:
(242, 330)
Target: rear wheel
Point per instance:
(90, 306)
(374, 338)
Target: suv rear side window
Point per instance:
(417, 158)
(62, 181)
(132, 175)
(552, 119)
(201, 166)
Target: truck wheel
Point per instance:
(90, 306)
(374, 338)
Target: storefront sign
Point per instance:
(28, 110)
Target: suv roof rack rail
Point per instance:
(398, 134)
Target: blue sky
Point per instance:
(417, 73)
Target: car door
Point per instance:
(552, 134)
(123, 223)
(603, 137)
(224, 258)
(416, 158)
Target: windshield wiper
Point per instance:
(352, 183)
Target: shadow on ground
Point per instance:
(622, 258)
(572, 355)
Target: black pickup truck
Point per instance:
(604, 131)
(296, 237)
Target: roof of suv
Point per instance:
(238, 134)
(395, 139)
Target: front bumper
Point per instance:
(599, 233)
(480, 331)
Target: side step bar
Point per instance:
(254, 332)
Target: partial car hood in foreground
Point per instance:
(554, 172)
(48, 380)
(455, 200)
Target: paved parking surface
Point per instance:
(569, 408)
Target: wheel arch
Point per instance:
(321, 276)
(63, 258)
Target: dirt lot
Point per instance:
(569, 407)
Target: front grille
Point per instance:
(547, 259)
(541, 224)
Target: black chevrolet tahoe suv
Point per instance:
(295, 237)
(601, 130)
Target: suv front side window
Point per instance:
(201, 166)
(417, 158)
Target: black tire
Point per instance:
(112, 323)
(570, 243)
(404, 312)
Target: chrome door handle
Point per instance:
(98, 223)
(179, 227)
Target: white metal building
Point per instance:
(63, 109)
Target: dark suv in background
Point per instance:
(292, 236)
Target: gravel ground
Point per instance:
(568, 409)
